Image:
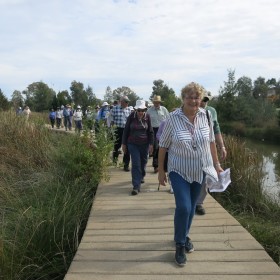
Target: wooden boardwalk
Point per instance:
(131, 237)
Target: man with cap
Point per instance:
(119, 115)
(199, 210)
(157, 113)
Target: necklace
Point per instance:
(193, 143)
(191, 128)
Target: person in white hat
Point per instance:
(138, 137)
(103, 112)
(199, 209)
(78, 116)
(157, 113)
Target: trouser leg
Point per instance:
(202, 194)
(136, 172)
(118, 143)
(186, 195)
(155, 150)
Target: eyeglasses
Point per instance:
(192, 98)
(141, 110)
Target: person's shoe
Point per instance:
(134, 192)
(126, 168)
(156, 170)
(189, 246)
(180, 255)
(142, 181)
(171, 190)
(199, 210)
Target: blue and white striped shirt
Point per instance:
(188, 145)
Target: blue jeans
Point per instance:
(139, 159)
(186, 195)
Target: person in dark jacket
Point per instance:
(138, 137)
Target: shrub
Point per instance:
(47, 186)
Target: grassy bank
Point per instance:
(245, 199)
(270, 132)
(47, 184)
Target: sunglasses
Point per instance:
(141, 110)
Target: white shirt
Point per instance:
(157, 115)
(78, 115)
(188, 145)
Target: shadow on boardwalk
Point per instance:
(130, 237)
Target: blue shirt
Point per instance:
(119, 115)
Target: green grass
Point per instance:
(245, 199)
(47, 184)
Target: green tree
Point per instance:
(63, 98)
(226, 105)
(260, 88)
(271, 82)
(17, 99)
(77, 93)
(167, 94)
(244, 86)
(90, 98)
(109, 96)
(81, 96)
(121, 91)
(4, 102)
(39, 96)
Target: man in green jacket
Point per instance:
(199, 210)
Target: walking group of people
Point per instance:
(64, 116)
(26, 112)
(183, 143)
(191, 137)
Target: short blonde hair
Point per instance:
(193, 88)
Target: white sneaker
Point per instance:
(171, 190)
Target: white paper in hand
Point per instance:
(221, 185)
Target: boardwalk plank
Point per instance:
(131, 237)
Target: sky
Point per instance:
(131, 43)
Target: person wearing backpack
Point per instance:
(199, 209)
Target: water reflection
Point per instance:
(271, 165)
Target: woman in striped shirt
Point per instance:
(188, 135)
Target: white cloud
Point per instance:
(132, 43)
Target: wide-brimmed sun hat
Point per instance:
(105, 104)
(140, 104)
(157, 98)
(125, 98)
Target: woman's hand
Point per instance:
(162, 179)
(223, 153)
(124, 148)
(218, 167)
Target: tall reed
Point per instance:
(246, 175)
(246, 199)
(47, 185)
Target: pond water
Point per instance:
(271, 165)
